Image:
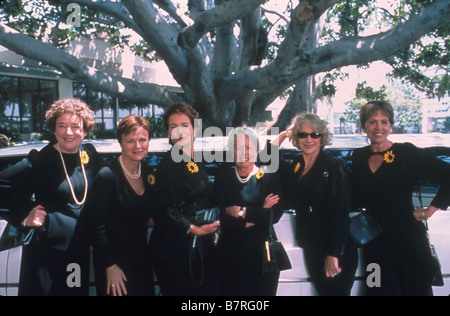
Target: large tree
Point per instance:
(216, 49)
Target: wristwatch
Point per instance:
(242, 212)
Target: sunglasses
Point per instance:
(312, 135)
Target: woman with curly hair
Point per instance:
(318, 186)
(51, 190)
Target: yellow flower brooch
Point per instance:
(260, 174)
(193, 168)
(389, 157)
(297, 168)
(84, 158)
(151, 179)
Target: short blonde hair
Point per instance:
(316, 123)
(71, 106)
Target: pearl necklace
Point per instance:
(128, 173)
(70, 183)
(245, 180)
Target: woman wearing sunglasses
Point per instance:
(319, 189)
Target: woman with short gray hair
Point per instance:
(250, 204)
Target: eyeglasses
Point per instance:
(312, 135)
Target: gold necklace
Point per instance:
(70, 183)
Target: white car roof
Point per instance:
(111, 146)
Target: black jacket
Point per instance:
(322, 200)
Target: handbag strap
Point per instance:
(415, 185)
(271, 232)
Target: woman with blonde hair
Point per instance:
(59, 178)
(319, 189)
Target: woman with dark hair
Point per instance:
(119, 213)
(59, 177)
(385, 176)
(183, 251)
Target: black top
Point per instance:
(402, 250)
(42, 174)
(387, 193)
(322, 200)
(181, 189)
(119, 216)
(243, 247)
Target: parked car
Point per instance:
(292, 282)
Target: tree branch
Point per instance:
(345, 52)
(228, 12)
(160, 35)
(76, 70)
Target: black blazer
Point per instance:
(241, 247)
(41, 174)
(322, 200)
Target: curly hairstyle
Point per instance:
(71, 106)
(316, 123)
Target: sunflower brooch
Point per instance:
(151, 179)
(260, 174)
(193, 168)
(297, 167)
(389, 157)
(84, 158)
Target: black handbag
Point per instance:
(275, 258)
(437, 278)
(13, 237)
(364, 228)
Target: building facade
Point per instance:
(28, 88)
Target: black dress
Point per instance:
(63, 239)
(402, 251)
(242, 249)
(118, 217)
(322, 200)
(181, 190)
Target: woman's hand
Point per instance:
(281, 138)
(332, 268)
(271, 201)
(115, 281)
(36, 218)
(421, 214)
(204, 230)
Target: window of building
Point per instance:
(109, 110)
(24, 101)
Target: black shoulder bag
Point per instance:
(363, 227)
(437, 278)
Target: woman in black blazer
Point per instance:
(183, 251)
(319, 190)
(59, 177)
(250, 204)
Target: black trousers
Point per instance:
(342, 284)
